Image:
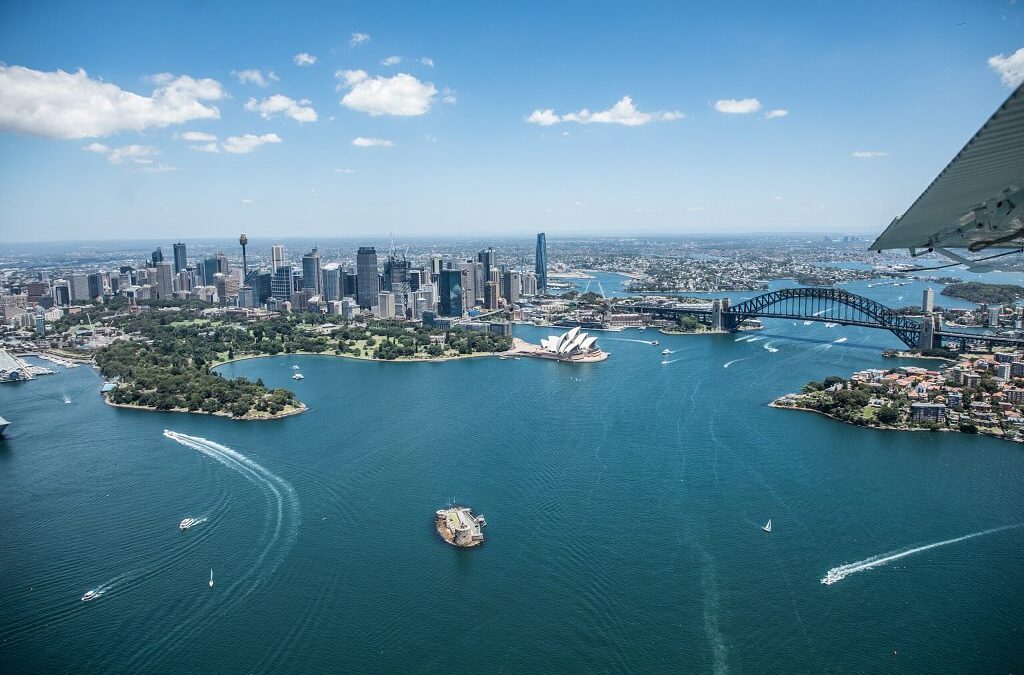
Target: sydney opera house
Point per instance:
(570, 346)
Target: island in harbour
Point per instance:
(459, 527)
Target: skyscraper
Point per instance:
(276, 256)
(510, 286)
(281, 283)
(489, 258)
(449, 302)
(928, 300)
(368, 279)
(386, 305)
(164, 280)
(311, 273)
(541, 264)
(180, 259)
(331, 281)
(158, 256)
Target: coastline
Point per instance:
(246, 418)
(879, 427)
(431, 359)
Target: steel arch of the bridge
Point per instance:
(826, 304)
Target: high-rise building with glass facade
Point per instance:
(180, 259)
(368, 278)
(311, 273)
(276, 256)
(450, 291)
(541, 264)
(281, 283)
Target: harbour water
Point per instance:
(624, 503)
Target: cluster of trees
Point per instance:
(391, 340)
(993, 294)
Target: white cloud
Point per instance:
(775, 114)
(448, 96)
(157, 168)
(1010, 68)
(344, 171)
(623, 112)
(391, 61)
(734, 106)
(256, 77)
(362, 142)
(868, 154)
(196, 136)
(246, 200)
(136, 154)
(72, 105)
(300, 111)
(245, 143)
(401, 95)
(358, 39)
(427, 61)
(206, 147)
(304, 59)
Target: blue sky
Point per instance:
(693, 149)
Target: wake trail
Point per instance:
(729, 363)
(665, 363)
(839, 340)
(837, 574)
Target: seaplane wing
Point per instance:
(977, 202)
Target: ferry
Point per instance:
(90, 595)
(298, 376)
(187, 523)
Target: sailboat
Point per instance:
(767, 527)
(211, 570)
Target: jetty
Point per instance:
(459, 527)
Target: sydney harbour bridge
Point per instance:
(829, 305)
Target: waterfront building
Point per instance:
(368, 277)
(928, 300)
(311, 272)
(276, 257)
(569, 346)
(541, 263)
(928, 412)
(993, 315)
(164, 280)
(450, 293)
(180, 258)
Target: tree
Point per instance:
(888, 415)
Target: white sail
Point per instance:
(768, 526)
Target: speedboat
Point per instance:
(655, 343)
(90, 595)
(298, 376)
(295, 367)
(187, 523)
(211, 577)
(666, 351)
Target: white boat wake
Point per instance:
(838, 340)
(839, 573)
(808, 323)
(665, 363)
(830, 325)
(284, 502)
(768, 346)
(756, 338)
(729, 363)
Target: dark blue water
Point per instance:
(624, 502)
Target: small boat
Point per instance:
(767, 527)
(211, 577)
(666, 351)
(90, 595)
(187, 523)
(655, 343)
(298, 376)
(295, 367)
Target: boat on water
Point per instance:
(666, 351)
(3, 425)
(211, 577)
(298, 376)
(295, 367)
(187, 523)
(767, 527)
(90, 595)
(655, 343)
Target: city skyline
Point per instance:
(676, 121)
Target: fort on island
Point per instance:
(570, 347)
(459, 527)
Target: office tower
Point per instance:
(348, 308)
(368, 278)
(330, 282)
(243, 240)
(311, 273)
(993, 315)
(468, 284)
(494, 275)
(276, 256)
(158, 256)
(435, 264)
(417, 278)
(450, 293)
(246, 297)
(928, 300)
(529, 283)
(351, 288)
(488, 259)
(79, 287)
(396, 272)
(180, 259)
(61, 293)
(261, 282)
(386, 305)
(491, 295)
(36, 291)
(184, 280)
(164, 280)
(281, 283)
(95, 282)
(510, 286)
(541, 263)
(217, 264)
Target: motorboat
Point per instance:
(90, 595)
(665, 352)
(298, 376)
(655, 343)
(187, 523)
(211, 577)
